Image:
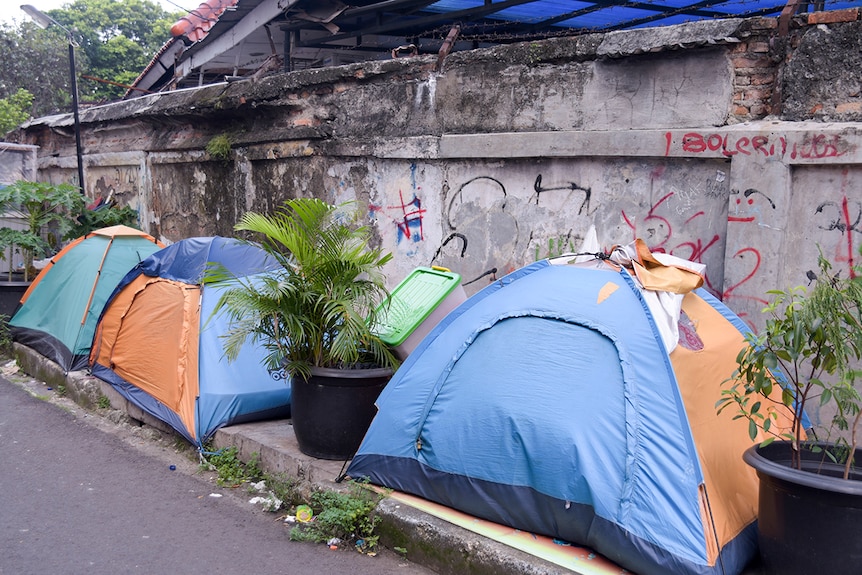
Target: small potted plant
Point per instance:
(807, 355)
(43, 212)
(316, 318)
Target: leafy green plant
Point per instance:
(104, 402)
(89, 220)
(5, 337)
(284, 487)
(319, 309)
(276, 489)
(229, 468)
(345, 515)
(808, 352)
(41, 205)
(117, 39)
(20, 246)
(219, 147)
(15, 109)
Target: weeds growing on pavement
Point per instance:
(5, 337)
(285, 488)
(230, 470)
(335, 517)
(343, 516)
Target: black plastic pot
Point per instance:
(809, 519)
(332, 410)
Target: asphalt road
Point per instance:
(77, 497)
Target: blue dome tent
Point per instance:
(548, 402)
(159, 344)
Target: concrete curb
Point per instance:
(432, 542)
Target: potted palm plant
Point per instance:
(315, 318)
(810, 498)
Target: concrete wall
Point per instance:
(17, 162)
(728, 142)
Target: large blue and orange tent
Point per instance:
(550, 402)
(159, 344)
(58, 312)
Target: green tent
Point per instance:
(57, 315)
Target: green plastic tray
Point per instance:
(410, 304)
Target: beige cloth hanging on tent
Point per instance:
(669, 273)
(664, 280)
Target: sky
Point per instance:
(12, 12)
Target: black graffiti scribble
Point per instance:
(842, 221)
(491, 272)
(461, 237)
(461, 190)
(751, 191)
(715, 186)
(571, 186)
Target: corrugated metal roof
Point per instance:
(235, 38)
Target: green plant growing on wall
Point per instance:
(219, 147)
(534, 52)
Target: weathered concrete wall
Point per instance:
(725, 142)
(17, 162)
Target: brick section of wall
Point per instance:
(758, 60)
(756, 71)
(834, 16)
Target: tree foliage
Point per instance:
(115, 40)
(15, 109)
(38, 61)
(118, 37)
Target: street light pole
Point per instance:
(74, 77)
(43, 21)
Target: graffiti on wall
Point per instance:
(478, 226)
(660, 235)
(821, 217)
(490, 230)
(406, 217)
(747, 207)
(676, 224)
(845, 218)
(583, 209)
(816, 146)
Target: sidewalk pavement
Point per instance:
(432, 542)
